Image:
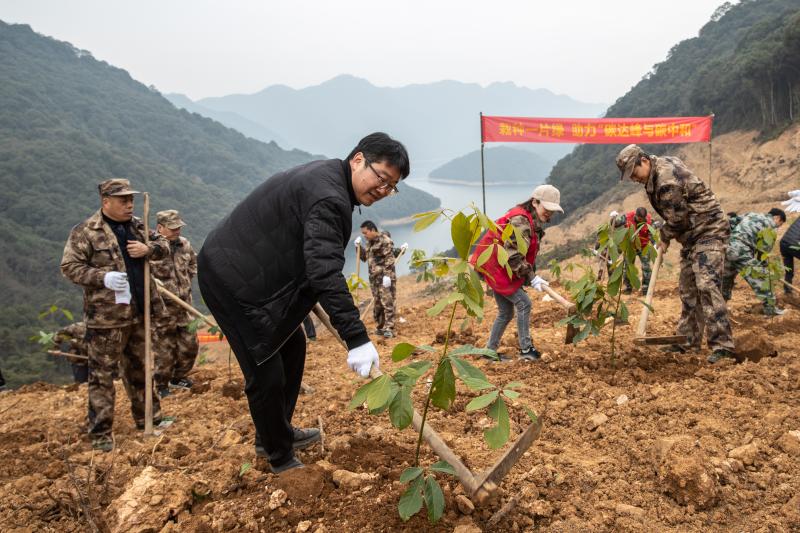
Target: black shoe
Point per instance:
(531, 354)
(163, 392)
(675, 348)
(288, 465)
(303, 438)
(183, 383)
(627, 290)
(721, 353)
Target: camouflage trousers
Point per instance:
(109, 348)
(383, 307)
(646, 273)
(739, 259)
(703, 307)
(175, 349)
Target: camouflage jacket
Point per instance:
(75, 335)
(176, 271)
(744, 236)
(92, 251)
(516, 260)
(379, 255)
(690, 210)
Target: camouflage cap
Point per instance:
(170, 219)
(116, 187)
(626, 160)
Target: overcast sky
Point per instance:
(592, 50)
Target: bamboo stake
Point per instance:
(59, 353)
(172, 296)
(148, 354)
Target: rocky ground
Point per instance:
(650, 441)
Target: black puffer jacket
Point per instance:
(792, 235)
(282, 249)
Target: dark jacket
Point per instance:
(282, 249)
(792, 235)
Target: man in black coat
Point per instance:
(280, 251)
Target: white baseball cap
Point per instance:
(548, 196)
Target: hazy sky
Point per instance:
(591, 50)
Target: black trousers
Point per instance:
(789, 255)
(308, 325)
(271, 387)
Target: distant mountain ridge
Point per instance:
(437, 121)
(503, 165)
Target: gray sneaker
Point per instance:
(303, 438)
(773, 311)
(288, 465)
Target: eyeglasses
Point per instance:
(384, 185)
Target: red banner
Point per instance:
(663, 130)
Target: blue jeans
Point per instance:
(505, 312)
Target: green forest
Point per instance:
(67, 122)
(744, 66)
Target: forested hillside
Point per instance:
(744, 66)
(68, 121)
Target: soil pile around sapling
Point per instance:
(657, 441)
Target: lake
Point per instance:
(436, 238)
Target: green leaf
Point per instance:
(471, 376)
(443, 390)
(68, 314)
(444, 467)
(379, 393)
(402, 351)
(511, 394)
(461, 234)
(244, 468)
(401, 410)
(531, 414)
(485, 255)
(514, 385)
(411, 500)
(469, 349)
(444, 302)
(502, 256)
(482, 401)
(522, 246)
(498, 435)
(425, 219)
(507, 231)
(434, 499)
(410, 473)
(360, 397)
(409, 374)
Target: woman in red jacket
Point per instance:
(528, 218)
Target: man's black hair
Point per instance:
(775, 212)
(641, 212)
(370, 225)
(378, 147)
(730, 214)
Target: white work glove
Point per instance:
(387, 281)
(794, 194)
(116, 281)
(613, 214)
(362, 358)
(792, 205)
(357, 242)
(403, 247)
(539, 284)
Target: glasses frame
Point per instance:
(384, 185)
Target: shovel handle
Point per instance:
(651, 289)
(563, 302)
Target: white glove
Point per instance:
(404, 247)
(792, 205)
(357, 242)
(613, 214)
(362, 358)
(387, 281)
(538, 283)
(116, 281)
(794, 194)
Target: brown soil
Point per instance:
(695, 446)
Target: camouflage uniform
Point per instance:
(175, 346)
(742, 253)
(74, 336)
(693, 216)
(379, 255)
(115, 332)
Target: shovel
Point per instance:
(641, 339)
(569, 306)
(482, 488)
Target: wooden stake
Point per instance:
(172, 296)
(651, 290)
(148, 354)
